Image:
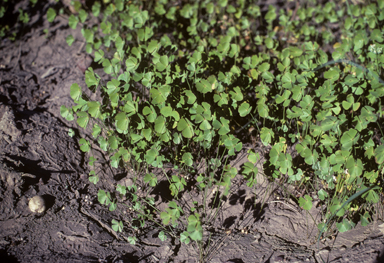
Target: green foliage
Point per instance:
(180, 97)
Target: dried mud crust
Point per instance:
(37, 157)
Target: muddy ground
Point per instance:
(37, 157)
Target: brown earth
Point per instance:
(37, 157)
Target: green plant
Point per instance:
(8, 27)
(166, 100)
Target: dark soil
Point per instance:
(37, 157)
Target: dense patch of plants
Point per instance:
(14, 16)
(185, 78)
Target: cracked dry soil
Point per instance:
(37, 157)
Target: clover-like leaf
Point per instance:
(94, 109)
(150, 113)
(162, 64)
(187, 159)
(117, 225)
(113, 142)
(69, 39)
(345, 225)
(82, 119)
(66, 113)
(186, 128)
(306, 202)
(131, 63)
(204, 86)
(90, 78)
(122, 122)
(51, 14)
(75, 92)
(84, 145)
(348, 139)
(160, 124)
(295, 51)
(244, 109)
(222, 126)
(103, 197)
(151, 179)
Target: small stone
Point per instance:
(37, 204)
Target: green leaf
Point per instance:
(132, 240)
(150, 112)
(185, 126)
(187, 159)
(151, 156)
(122, 122)
(371, 196)
(266, 136)
(75, 92)
(160, 125)
(66, 113)
(72, 21)
(131, 63)
(94, 109)
(166, 111)
(222, 126)
(166, 217)
(331, 122)
(191, 97)
(244, 109)
(160, 95)
(103, 197)
(121, 189)
(250, 172)
(377, 35)
(348, 139)
(117, 225)
(194, 227)
(204, 86)
(264, 67)
(162, 64)
(332, 74)
(69, 39)
(151, 179)
(322, 194)
(379, 154)
(113, 142)
(263, 110)
(337, 54)
(295, 51)
(51, 14)
(108, 68)
(84, 145)
(94, 179)
(268, 76)
(184, 237)
(306, 202)
(271, 14)
(162, 236)
(103, 143)
(236, 94)
(221, 99)
(195, 232)
(88, 35)
(83, 15)
(355, 167)
(345, 225)
(177, 185)
(82, 119)
(130, 107)
(90, 78)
